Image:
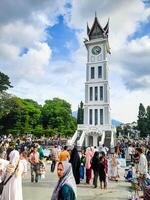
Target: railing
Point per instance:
(73, 139)
(112, 143)
(81, 140)
(103, 138)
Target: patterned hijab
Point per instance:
(67, 179)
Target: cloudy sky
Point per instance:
(42, 50)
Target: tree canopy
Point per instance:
(144, 120)
(57, 115)
(21, 116)
(4, 82)
(80, 114)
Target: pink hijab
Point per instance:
(89, 155)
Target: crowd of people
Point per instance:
(93, 165)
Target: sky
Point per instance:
(42, 50)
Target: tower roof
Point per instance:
(106, 28)
(97, 31)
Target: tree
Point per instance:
(4, 82)
(57, 115)
(142, 121)
(148, 119)
(80, 114)
(20, 116)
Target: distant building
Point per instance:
(132, 129)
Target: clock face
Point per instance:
(96, 50)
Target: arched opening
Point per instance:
(90, 140)
(98, 140)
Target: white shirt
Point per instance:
(104, 149)
(142, 164)
(130, 150)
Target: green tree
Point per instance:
(20, 116)
(33, 110)
(142, 121)
(4, 103)
(148, 119)
(80, 114)
(57, 115)
(4, 82)
(119, 130)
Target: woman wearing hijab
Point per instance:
(89, 155)
(75, 161)
(66, 186)
(13, 188)
(95, 167)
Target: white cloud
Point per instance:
(21, 34)
(35, 76)
(129, 62)
(22, 25)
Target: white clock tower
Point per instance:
(97, 126)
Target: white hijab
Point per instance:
(67, 179)
(14, 157)
(13, 162)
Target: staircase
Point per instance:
(75, 138)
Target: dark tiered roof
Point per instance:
(97, 31)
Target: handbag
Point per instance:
(3, 183)
(1, 187)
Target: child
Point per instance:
(102, 173)
(23, 161)
(83, 161)
(129, 174)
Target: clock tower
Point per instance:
(97, 128)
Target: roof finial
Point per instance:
(95, 14)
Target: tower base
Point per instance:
(88, 135)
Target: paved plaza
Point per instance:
(43, 189)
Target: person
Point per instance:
(66, 186)
(146, 192)
(114, 167)
(136, 160)
(34, 161)
(40, 151)
(148, 157)
(54, 157)
(75, 162)
(104, 149)
(82, 164)
(130, 151)
(142, 166)
(64, 155)
(89, 155)
(23, 160)
(105, 164)
(95, 167)
(102, 173)
(3, 165)
(13, 188)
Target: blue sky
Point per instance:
(61, 39)
(42, 50)
(143, 29)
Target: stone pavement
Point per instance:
(43, 189)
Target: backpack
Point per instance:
(129, 175)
